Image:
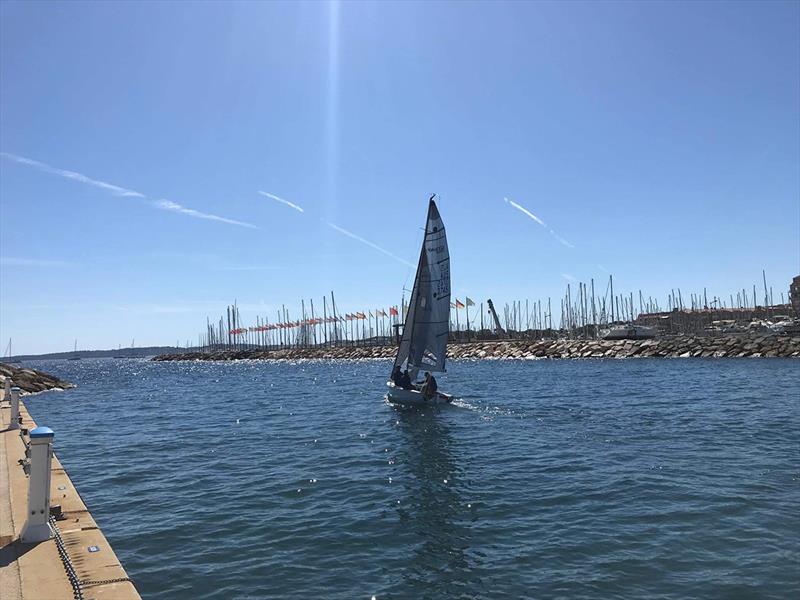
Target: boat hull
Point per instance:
(629, 332)
(402, 397)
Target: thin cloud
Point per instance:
(569, 277)
(282, 201)
(525, 211)
(34, 262)
(190, 212)
(350, 234)
(123, 192)
(602, 268)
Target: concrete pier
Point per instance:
(79, 556)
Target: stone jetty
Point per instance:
(665, 347)
(31, 381)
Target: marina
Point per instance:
(589, 316)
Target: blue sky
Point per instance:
(657, 141)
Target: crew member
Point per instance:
(430, 387)
(405, 381)
(397, 376)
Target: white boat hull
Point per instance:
(629, 332)
(402, 397)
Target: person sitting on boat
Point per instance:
(397, 377)
(430, 386)
(405, 381)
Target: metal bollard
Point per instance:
(37, 528)
(14, 408)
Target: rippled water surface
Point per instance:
(549, 479)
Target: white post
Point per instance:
(14, 408)
(37, 528)
(7, 388)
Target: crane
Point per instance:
(494, 316)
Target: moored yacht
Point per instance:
(629, 331)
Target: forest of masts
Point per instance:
(582, 313)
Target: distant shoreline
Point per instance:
(668, 347)
(142, 352)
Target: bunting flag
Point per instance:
(470, 302)
(313, 322)
(459, 304)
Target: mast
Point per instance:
(335, 332)
(408, 333)
(611, 283)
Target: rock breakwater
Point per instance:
(667, 347)
(31, 381)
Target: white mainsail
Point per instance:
(427, 325)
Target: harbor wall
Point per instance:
(665, 347)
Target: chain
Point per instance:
(105, 581)
(77, 592)
(77, 584)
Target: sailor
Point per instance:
(429, 387)
(405, 381)
(397, 376)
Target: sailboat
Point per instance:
(8, 353)
(74, 352)
(423, 346)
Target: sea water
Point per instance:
(546, 479)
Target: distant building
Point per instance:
(794, 295)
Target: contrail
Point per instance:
(350, 234)
(335, 227)
(539, 221)
(526, 211)
(175, 207)
(123, 192)
(109, 187)
(560, 239)
(282, 201)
